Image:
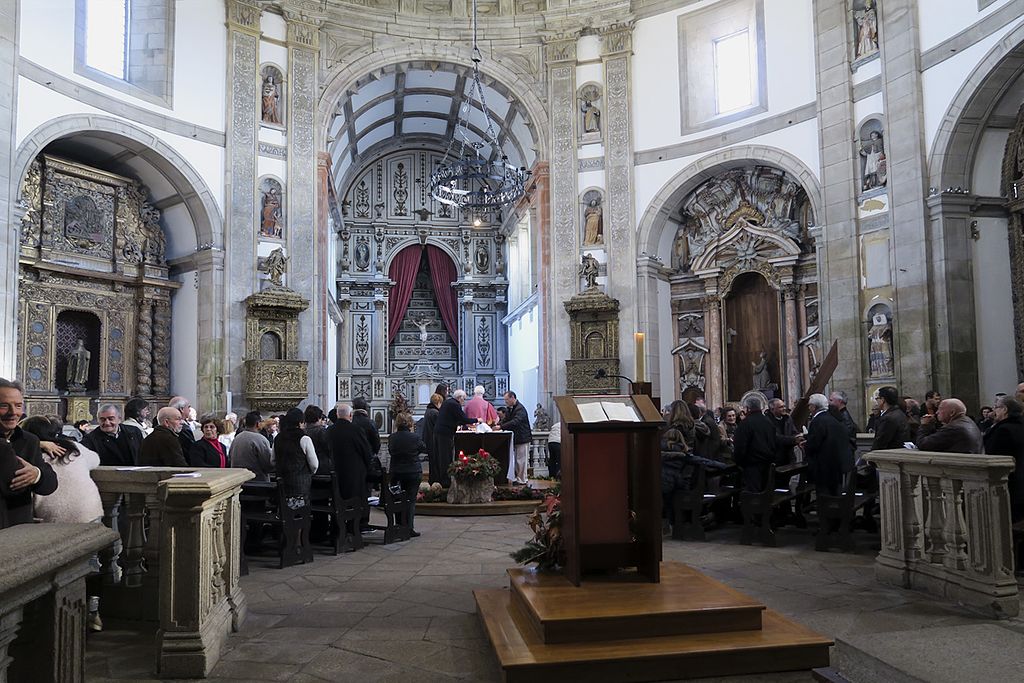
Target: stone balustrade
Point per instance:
(178, 559)
(42, 599)
(539, 455)
(946, 527)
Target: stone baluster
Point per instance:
(134, 540)
(110, 567)
(9, 624)
(935, 514)
(911, 503)
(953, 532)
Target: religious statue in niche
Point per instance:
(589, 95)
(423, 323)
(865, 25)
(541, 420)
(78, 367)
(362, 253)
(874, 166)
(271, 209)
(593, 219)
(271, 102)
(275, 266)
(762, 378)
(483, 257)
(588, 270)
(681, 246)
(880, 354)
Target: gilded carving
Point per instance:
(32, 203)
(594, 333)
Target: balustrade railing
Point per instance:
(177, 561)
(539, 455)
(946, 527)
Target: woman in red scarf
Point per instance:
(209, 451)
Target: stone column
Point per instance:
(540, 226)
(304, 248)
(620, 231)
(564, 234)
(715, 391)
(838, 262)
(10, 234)
(321, 382)
(792, 342)
(955, 355)
(243, 22)
(916, 316)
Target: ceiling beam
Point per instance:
(399, 101)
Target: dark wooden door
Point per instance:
(752, 312)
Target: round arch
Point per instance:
(198, 200)
(672, 193)
(952, 154)
(413, 241)
(346, 78)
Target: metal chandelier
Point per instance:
(476, 175)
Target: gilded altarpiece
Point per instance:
(275, 379)
(594, 330)
(92, 248)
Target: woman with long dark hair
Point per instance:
(678, 443)
(405, 447)
(209, 451)
(294, 458)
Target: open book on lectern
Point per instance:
(607, 411)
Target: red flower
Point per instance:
(485, 455)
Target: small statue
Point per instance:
(270, 214)
(271, 95)
(588, 270)
(78, 366)
(422, 323)
(362, 255)
(593, 232)
(762, 379)
(275, 266)
(875, 164)
(591, 116)
(483, 259)
(867, 29)
(880, 346)
(541, 419)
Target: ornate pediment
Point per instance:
(745, 242)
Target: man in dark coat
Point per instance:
(1006, 437)
(351, 453)
(117, 444)
(837, 408)
(23, 471)
(426, 432)
(708, 445)
(517, 421)
(891, 429)
(449, 418)
(185, 435)
(827, 447)
(958, 433)
(754, 445)
(162, 448)
(786, 434)
(361, 418)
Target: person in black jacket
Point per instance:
(209, 451)
(837, 408)
(162, 448)
(754, 445)
(23, 472)
(185, 435)
(405, 447)
(1006, 437)
(891, 430)
(351, 454)
(117, 444)
(361, 418)
(449, 418)
(427, 425)
(786, 435)
(517, 421)
(826, 448)
(316, 430)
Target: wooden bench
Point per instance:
(344, 514)
(764, 503)
(264, 503)
(688, 506)
(1018, 546)
(397, 509)
(838, 511)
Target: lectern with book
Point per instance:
(611, 491)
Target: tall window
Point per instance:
(106, 36)
(733, 84)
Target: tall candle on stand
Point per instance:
(638, 338)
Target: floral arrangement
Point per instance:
(398, 405)
(545, 548)
(519, 493)
(477, 465)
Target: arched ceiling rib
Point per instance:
(416, 101)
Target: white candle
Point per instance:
(638, 338)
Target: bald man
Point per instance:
(957, 433)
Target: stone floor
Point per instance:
(405, 612)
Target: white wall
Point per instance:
(997, 367)
(184, 348)
(942, 19)
(524, 358)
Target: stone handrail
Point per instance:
(946, 527)
(42, 599)
(179, 559)
(539, 454)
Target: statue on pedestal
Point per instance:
(541, 419)
(589, 269)
(275, 266)
(762, 379)
(78, 367)
(880, 346)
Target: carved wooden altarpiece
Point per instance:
(594, 325)
(274, 378)
(92, 249)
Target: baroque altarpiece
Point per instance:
(91, 268)
(387, 216)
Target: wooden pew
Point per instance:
(343, 514)
(397, 509)
(263, 503)
(688, 506)
(765, 502)
(841, 510)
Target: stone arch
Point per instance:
(197, 197)
(345, 79)
(672, 193)
(952, 155)
(404, 244)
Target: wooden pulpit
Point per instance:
(611, 484)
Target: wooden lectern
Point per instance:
(611, 470)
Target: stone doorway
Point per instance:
(752, 327)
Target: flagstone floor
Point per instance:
(405, 612)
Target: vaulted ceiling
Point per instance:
(414, 105)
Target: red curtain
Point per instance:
(442, 275)
(403, 273)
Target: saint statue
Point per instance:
(875, 165)
(541, 420)
(593, 227)
(271, 95)
(362, 255)
(483, 259)
(867, 29)
(588, 270)
(880, 346)
(270, 214)
(762, 380)
(78, 366)
(275, 266)
(591, 116)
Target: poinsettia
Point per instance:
(545, 548)
(473, 466)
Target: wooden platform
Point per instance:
(501, 507)
(688, 626)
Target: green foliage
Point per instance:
(473, 466)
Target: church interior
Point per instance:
(633, 231)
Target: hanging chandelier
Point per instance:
(475, 175)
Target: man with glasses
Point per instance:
(23, 471)
(162, 448)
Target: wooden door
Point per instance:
(752, 312)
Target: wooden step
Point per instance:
(780, 645)
(625, 606)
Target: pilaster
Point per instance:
(243, 23)
(564, 234)
(10, 234)
(210, 392)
